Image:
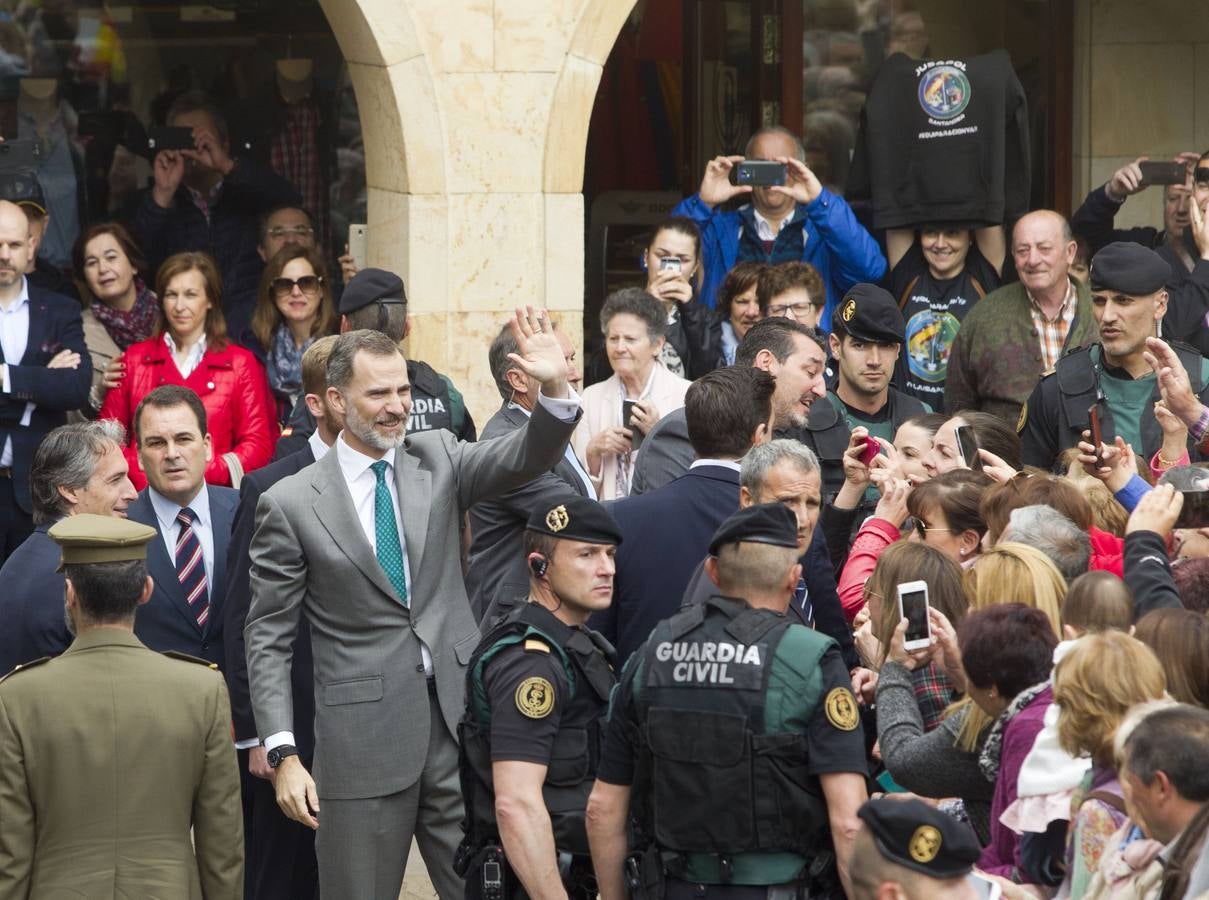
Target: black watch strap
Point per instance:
(278, 754)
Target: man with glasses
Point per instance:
(284, 226)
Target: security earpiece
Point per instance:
(538, 565)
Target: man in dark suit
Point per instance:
(188, 561)
(78, 468)
(45, 372)
(279, 853)
(667, 532)
(497, 577)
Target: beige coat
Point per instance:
(103, 350)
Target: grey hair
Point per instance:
(346, 348)
(1044, 528)
(799, 152)
(759, 460)
(68, 457)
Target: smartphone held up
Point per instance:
(913, 606)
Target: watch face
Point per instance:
(274, 758)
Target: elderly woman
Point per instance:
(293, 308)
(739, 308)
(119, 309)
(191, 349)
(619, 410)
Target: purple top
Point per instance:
(1002, 855)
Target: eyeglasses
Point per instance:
(279, 231)
(308, 284)
(795, 310)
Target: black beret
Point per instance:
(1128, 268)
(869, 313)
(371, 285)
(921, 838)
(576, 519)
(764, 523)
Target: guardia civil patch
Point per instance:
(925, 844)
(535, 697)
(840, 707)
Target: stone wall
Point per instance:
(1141, 88)
(475, 120)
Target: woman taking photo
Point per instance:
(191, 349)
(672, 262)
(293, 308)
(640, 391)
(119, 309)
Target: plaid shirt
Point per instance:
(294, 155)
(933, 692)
(1053, 332)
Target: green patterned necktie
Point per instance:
(386, 533)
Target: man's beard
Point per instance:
(364, 431)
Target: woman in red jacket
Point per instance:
(191, 348)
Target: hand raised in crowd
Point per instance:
(115, 371)
(945, 651)
(995, 466)
(1126, 181)
(864, 685)
(856, 473)
(715, 185)
(348, 266)
(1156, 511)
(539, 354)
(167, 170)
(802, 185)
(1174, 384)
(868, 647)
(210, 152)
(296, 794)
(893, 503)
(64, 359)
(669, 285)
(1175, 436)
(1114, 464)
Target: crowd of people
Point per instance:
(657, 635)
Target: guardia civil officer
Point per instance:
(1128, 300)
(537, 689)
(117, 772)
(866, 342)
(907, 850)
(734, 749)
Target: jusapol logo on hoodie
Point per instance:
(944, 90)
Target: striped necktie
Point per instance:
(191, 567)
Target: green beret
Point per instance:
(100, 539)
(1124, 267)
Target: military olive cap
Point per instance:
(869, 313)
(372, 286)
(1129, 268)
(763, 523)
(100, 539)
(921, 838)
(576, 519)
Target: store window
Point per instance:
(89, 81)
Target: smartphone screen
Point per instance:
(669, 264)
(761, 172)
(915, 611)
(969, 447)
(1158, 172)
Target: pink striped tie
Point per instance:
(191, 567)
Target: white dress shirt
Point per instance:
(190, 360)
(318, 445)
(732, 464)
(166, 512)
(569, 456)
(14, 336)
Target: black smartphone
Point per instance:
(1195, 511)
(1163, 172)
(761, 172)
(627, 413)
(968, 444)
(19, 156)
(169, 139)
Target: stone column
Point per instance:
(475, 120)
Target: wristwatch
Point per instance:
(278, 754)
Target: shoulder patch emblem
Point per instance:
(24, 666)
(1022, 418)
(533, 645)
(840, 707)
(185, 657)
(535, 697)
(925, 844)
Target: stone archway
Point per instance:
(475, 122)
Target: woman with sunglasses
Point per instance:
(190, 348)
(293, 308)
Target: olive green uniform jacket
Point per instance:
(109, 754)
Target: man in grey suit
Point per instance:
(498, 577)
(366, 542)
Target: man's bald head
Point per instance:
(1043, 249)
(15, 249)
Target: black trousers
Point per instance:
(579, 881)
(279, 853)
(15, 523)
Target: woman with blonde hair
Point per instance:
(1017, 573)
(1096, 683)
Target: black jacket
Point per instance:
(1148, 574)
(31, 604)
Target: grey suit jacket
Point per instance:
(664, 456)
(310, 554)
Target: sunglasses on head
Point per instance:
(308, 284)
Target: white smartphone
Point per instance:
(913, 606)
(985, 888)
(358, 245)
